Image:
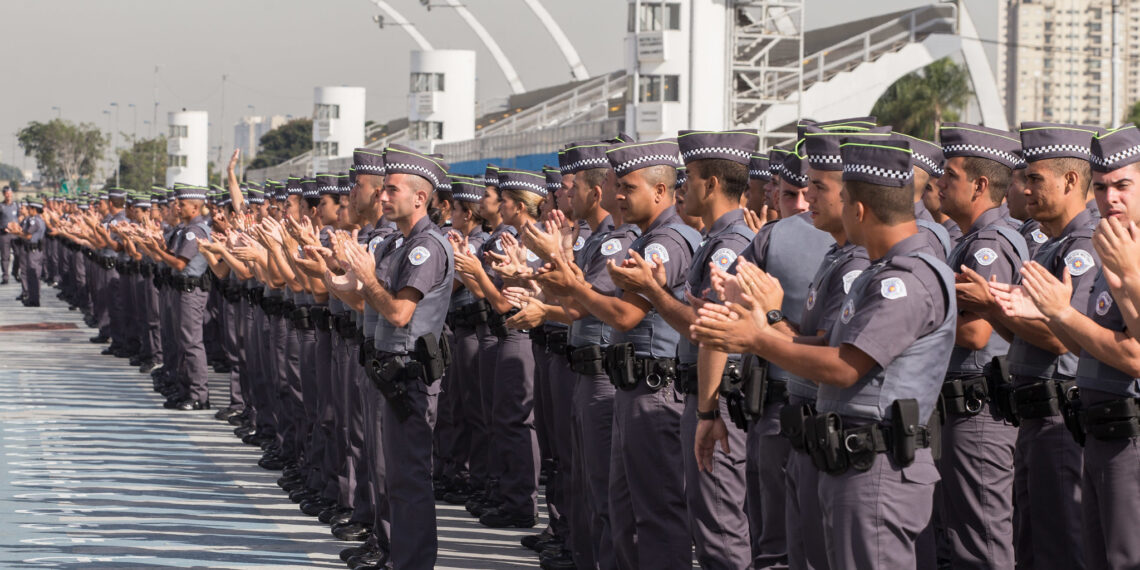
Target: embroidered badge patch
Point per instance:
(985, 256)
(471, 249)
(1039, 236)
(611, 247)
(372, 243)
(579, 243)
(892, 288)
(848, 311)
(850, 278)
(656, 253)
(190, 236)
(419, 255)
(1079, 262)
(1103, 303)
(530, 256)
(723, 258)
(810, 303)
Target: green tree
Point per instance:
(63, 150)
(142, 165)
(1133, 114)
(9, 172)
(918, 103)
(283, 143)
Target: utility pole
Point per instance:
(113, 145)
(222, 129)
(154, 121)
(135, 131)
(1117, 67)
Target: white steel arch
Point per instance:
(403, 22)
(492, 46)
(577, 69)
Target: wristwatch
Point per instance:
(775, 316)
(709, 415)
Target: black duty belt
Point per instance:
(1045, 398)
(188, 284)
(470, 315)
(1111, 420)
(556, 341)
(302, 318)
(322, 319)
(33, 246)
(627, 370)
(586, 360)
(966, 395)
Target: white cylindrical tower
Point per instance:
(338, 123)
(187, 147)
(676, 56)
(441, 97)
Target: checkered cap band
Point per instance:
(514, 184)
(929, 164)
(1058, 149)
(586, 163)
(1008, 158)
(716, 152)
(870, 173)
(1118, 159)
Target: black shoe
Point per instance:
(496, 518)
(352, 531)
(252, 438)
(458, 494)
(172, 402)
(135, 361)
(326, 515)
(270, 462)
(476, 498)
(368, 559)
(316, 506)
(532, 540)
(189, 404)
(342, 517)
(107, 352)
(302, 494)
(563, 560)
(356, 551)
(226, 413)
(149, 366)
(72, 308)
(4, 281)
(242, 431)
(99, 339)
(483, 508)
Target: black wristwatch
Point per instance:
(775, 316)
(709, 415)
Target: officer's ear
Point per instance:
(981, 187)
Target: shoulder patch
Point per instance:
(848, 311)
(530, 256)
(850, 278)
(471, 249)
(723, 258)
(419, 255)
(810, 301)
(892, 288)
(1103, 303)
(1079, 262)
(399, 242)
(1038, 236)
(372, 243)
(611, 247)
(985, 256)
(578, 243)
(498, 244)
(656, 253)
(190, 236)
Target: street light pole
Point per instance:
(108, 113)
(116, 106)
(135, 132)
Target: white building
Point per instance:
(441, 97)
(187, 147)
(248, 132)
(338, 123)
(679, 78)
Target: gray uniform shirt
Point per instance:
(1093, 374)
(606, 243)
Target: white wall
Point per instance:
(347, 131)
(194, 146)
(454, 106)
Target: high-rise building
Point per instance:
(1058, 66)
(248, 132)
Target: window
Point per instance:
(322, 111)
(178, 131)
(325, 148)
(426, 130)
(657, 88)
(176, 160)
(656, 16)
(426, 82)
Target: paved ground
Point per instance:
(94, 473)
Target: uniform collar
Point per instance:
(421, 226)
(910, 244)
(921, 213)
(988, 218)
(669, 216)
(727, 220)
(1082, 220)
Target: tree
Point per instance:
(1133, 114)
(142, 165)
(63, 150)
(9, 172)
(918, 103)
(283, 143)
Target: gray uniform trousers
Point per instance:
(152, 324)
(446, 415)
(331, 446)
(977, 487)
(33, 263)
(481, 443)
(410, 497)
(1047, 496)
(803, 517)
(103, 299)
(716, 499)
(515, 443)
(192, 370)
(647, 483)
(261, 385)
(544, 418)
(872, 518)
(377, 460)
(1110, 488)
(282, 405)
(230, 312)
(118, 290)
(5, 253)
(768, 454)
(290, 358)
(362, 437)
(560, 381)
(169, 318)
(459, 395)
(592, 435)
(79, 270)
(310, 437)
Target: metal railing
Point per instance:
(553, 139)
(587, 101)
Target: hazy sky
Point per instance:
(81, 55)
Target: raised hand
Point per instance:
(728, 328)
(636, 274)
(1050, 295)
(1014, 302)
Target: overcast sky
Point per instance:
(81, 55)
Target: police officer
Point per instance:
(875, 393)
(1047, 462)
(411, 298)
(31, 230)
(977, 437)
(9, 212)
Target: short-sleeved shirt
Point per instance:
(417, 261)
(462, 296)
(1093, 374)
(953, 231)
(724, 241)
(495, 245)
(988, 252)
(35, 228)
(830, 286)
(186, 247)
(1034, 237)
(606, 243)
(1072, 249)
(8, 213)
(895, 308)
